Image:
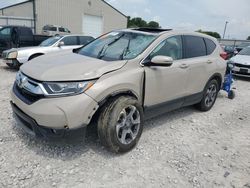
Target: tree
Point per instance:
(153, 24)
(211, 33)
(248, 38)
(139, 22)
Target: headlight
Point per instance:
(66, 88)
(12, 55)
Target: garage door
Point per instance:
(92, 25)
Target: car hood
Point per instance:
(26, 48)
(68, 66)
(241, 59)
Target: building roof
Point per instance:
(12, 5)
(32, 0)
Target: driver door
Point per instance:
(165, 87)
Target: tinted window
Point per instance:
(211, 46)
(25, 31)
(194, 46)
(49, 28)
(171, 47)
(85, 40)
(61, 29)
(71, 40)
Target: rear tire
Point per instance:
(209, 96)
(120, 124)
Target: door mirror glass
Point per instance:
(162, 60)
(60, 44)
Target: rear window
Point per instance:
(194, 46)
(25, 31)
(210, 46)
(85, 40)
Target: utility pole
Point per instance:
(225, 29)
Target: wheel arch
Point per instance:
(218, 77)
(35, 55)
(111, 96)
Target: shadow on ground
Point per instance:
(75, 145)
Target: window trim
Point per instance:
(143, 60)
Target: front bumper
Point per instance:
(243, 71)
(31, 127)
(57, 113)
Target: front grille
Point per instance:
(243, 66)
(26, 96)
(242, 73)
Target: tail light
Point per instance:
(224, 55)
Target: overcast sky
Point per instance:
(188, 14)
(193, 14)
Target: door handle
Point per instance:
(209, 62)
(184, 66)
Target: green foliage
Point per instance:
(210, 33)
(153, 24)
(139, 22)
(248, 38)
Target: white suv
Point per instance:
(54, 30)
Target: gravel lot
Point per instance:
(184, 148)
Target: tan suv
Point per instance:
(118, 80)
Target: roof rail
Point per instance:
(153, 30)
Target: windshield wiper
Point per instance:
(102, 52)
(126, 50)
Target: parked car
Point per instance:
(231, 51)
(242, 45)
(54, 30)
(118, 80)
(242, 63)
(18, 36)
(15, 57)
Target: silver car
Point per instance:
(15, 57)
(117, 81)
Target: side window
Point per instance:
(25, 32)
(61, 29)
(5, 31)
(85, 40)
(70, 40)
(210, 46)
(171, 47)
(194, 46)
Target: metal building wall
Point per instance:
(69, 13)
(21, 10)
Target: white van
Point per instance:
(54, 30)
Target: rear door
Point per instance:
(165, 84)
(200, 66)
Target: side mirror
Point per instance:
(162, 60)
(60, 44)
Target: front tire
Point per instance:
(120, 124)
(209, 96)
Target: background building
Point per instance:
(89, 17)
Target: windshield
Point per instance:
(245, 51)
(50, 41)
(118, 46)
